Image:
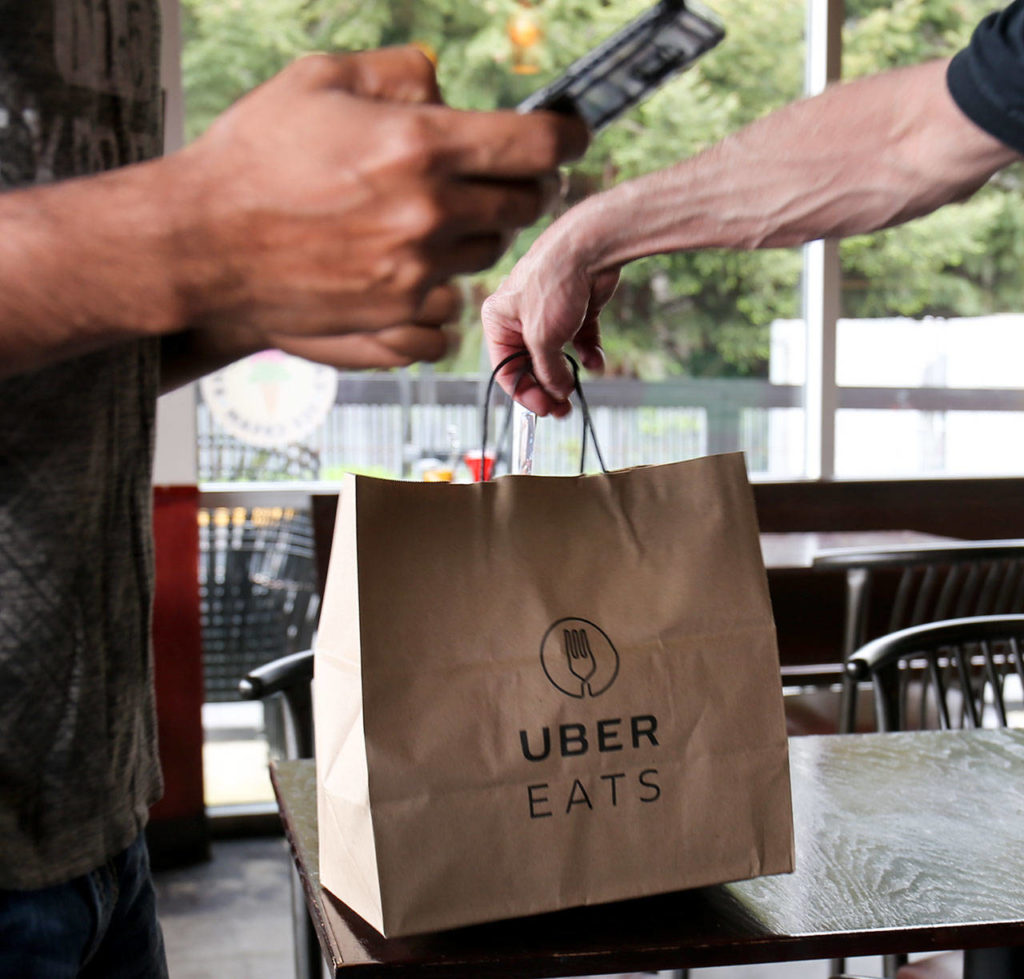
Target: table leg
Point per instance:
(309, 960)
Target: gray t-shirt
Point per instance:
(79, 93)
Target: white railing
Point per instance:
(385, 423)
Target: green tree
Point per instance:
(963, 260)
(702, 313)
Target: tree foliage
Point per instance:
(701, 313)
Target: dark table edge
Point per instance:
(328, 946)
(526, 965)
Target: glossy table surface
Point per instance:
(904, 842)
(795, 550)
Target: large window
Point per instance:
(930, 330)
(887, 355)
(687, 336)
(703, 355)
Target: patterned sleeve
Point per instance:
(986, 79)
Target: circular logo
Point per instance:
(271, 399)
(578, 658)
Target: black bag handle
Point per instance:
(588, 422)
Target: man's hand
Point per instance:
(193, 353)
(393, 346)
(863, 155)
(339, 197)
(321, 204)
(550, 299)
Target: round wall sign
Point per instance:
(270, 399)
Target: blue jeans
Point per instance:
(101, 925)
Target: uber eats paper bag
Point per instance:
(543, 692)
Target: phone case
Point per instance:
(632, 63)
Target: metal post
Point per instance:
(821, 278)
(409, 449)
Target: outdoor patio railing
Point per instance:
(384, 423)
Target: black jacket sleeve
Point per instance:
(986, 79)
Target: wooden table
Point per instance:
(795, 550)
(905, 842)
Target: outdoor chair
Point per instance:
(956, 673)
(892, 588)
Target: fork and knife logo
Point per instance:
(579, 658)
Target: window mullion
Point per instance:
(821, 278)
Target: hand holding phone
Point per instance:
(631, 64)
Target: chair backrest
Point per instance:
(935, 582)
(284, 686)
(943, 674)
(323, 510)
(892, 588)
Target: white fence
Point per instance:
(385, 423)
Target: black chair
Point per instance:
(949, 674)
(954, 670)
(285, 687)
(891, 588)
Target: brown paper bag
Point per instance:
(543, 692)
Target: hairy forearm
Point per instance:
(859, 157)
(339, 198)
(97, 261)
(83, 264)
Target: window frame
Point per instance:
(176, 442)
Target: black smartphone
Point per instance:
(631, 64)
